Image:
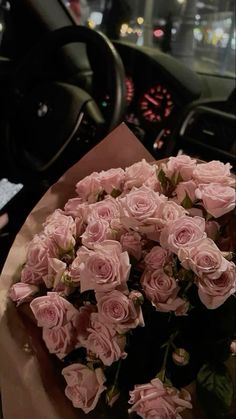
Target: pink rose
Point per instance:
(212, 172)
(177, 305)
(79, 226)
(105, 269)
(107, 209)
(79, 211)
(112, 179)
(212, 229)
(89, 188)
(156, 258)
(154, 400)
(84, 386)
(82, 322)
(170, 211)
(56, 269)
(39, 251)
(52, 310)
(153, 183)
(140, 203)
(30, 276)
(205, 259)
(138, 173)
(160, 289)
(116, 308)
(117, 228)
(138, 209)
(184, 189)
(75, 207)
(60, 341)
(131, 243)
(104, 342)
(96, 231)
(184, 232)
(78, 264)
(181, 165)
(214, 292)
(22, 293)
(217, 199)
(61, 228)
(74, 270)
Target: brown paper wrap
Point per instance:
(30, 380)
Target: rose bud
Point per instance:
(136, 297)
(22, 293)
(233, 347)
(180, 357)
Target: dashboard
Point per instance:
(172, 109)
(154, 97)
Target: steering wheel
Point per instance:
(53, 123)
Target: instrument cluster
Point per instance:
(150, 106)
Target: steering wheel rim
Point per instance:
(28, 70)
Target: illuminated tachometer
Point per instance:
(156, 104)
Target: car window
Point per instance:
(201, 34)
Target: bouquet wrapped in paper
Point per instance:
(124, 272)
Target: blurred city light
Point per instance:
(124, 29)
(140, 20)
(91, 24)
(158, 33)
(96, 17)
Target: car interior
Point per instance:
(65, 86)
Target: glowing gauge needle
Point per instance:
(150, 99)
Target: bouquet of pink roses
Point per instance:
(131, 290)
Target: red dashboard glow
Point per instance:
(129, 89)
(156, 104)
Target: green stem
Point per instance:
(190, 283)
(170, 343)
(116, 376)
(163, 368)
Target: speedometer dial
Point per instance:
(156, 104)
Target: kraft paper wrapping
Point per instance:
(30, 380)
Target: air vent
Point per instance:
(210, 130)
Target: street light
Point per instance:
(181, 1)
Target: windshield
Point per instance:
(201, 34)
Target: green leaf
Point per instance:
(187, 202)
(215, 389)
(179, 179)
(112, 395)
(163, 179)
(115, 193)
(66, 279)
(176, 178)
(208, 216)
